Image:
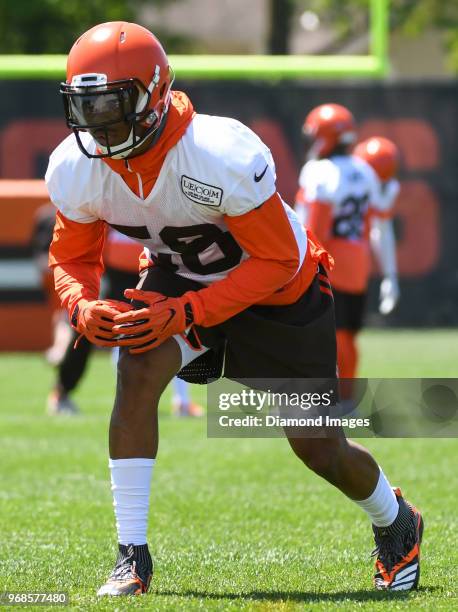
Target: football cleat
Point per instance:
(60, 404)
(397, 567)
(132, 573)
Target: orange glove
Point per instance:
(148, 327)
(95, 320)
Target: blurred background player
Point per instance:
(121, 259)
(348, 206)
(383, 155)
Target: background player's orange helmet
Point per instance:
(328, 126)
(382, 154)
(116, 72)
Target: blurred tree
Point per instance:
(410, 17)
(51, 26)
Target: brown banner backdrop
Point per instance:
(421, 117)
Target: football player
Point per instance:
(230, 273)
(348, 207)
(383, 155)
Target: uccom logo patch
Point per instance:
(201, 193)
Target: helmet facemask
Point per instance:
(104, 108)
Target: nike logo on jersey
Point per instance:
(258, 177)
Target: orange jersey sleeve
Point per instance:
(75, 255)
(319, 219)
(266, 234)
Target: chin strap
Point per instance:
(122, 145)
(156, 134)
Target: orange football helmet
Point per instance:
(328, 126)
(382, 154)
(117, 72)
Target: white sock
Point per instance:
(181, 390)
(130, 484)
(382, 506)
(115, 356)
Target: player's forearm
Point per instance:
(267, 234)
(384, 246)
(75, 282)
(248, 284)
(75, 256)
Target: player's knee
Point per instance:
(137, 373)
(322, 456)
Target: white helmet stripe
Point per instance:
(155, 80)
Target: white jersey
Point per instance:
(219, 167)
(350, 186)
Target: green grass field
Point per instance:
(234, 524)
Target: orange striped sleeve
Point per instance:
(75, 255)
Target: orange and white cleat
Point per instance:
(132, 572)
(397, 567)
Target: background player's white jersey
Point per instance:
(350, 186)
(219, 167)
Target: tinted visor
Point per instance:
(91, 107)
